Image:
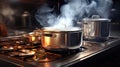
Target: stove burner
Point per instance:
(47, 56)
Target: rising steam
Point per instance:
(72, 11)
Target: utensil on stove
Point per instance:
(96, 29)
(61, 39)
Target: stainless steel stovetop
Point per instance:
(88, 50)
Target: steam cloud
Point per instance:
(72, 11)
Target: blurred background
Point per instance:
(16, 14)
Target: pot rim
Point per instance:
(95, 19)
(68, 29)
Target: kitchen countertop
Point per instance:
(92, 49)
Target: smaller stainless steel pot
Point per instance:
(61, 39)
(96, 29)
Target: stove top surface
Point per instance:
(16, 51)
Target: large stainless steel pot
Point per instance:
(96, 29)
(60, 39)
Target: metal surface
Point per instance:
(92, 48)
(26, 20)
(61, 39)
(96, 29)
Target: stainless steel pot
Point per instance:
(96, 29)
(60, 39)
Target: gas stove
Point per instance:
(22, 49)
(21, 52)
